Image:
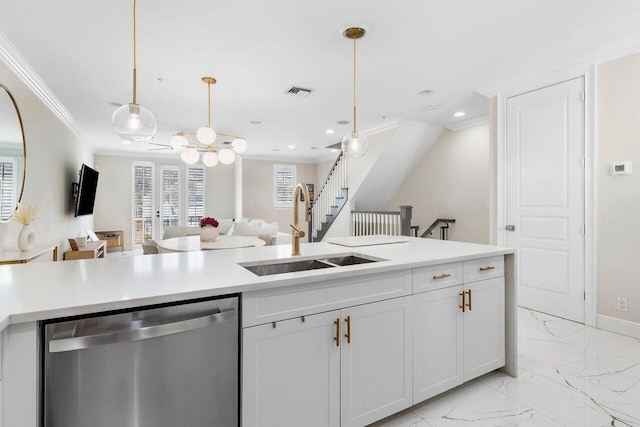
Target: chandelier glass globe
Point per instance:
(189, 155)
(226, 156)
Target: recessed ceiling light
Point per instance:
(343, 122)
(275, 149)
(314, 148)
(256, 122)
(459, 114)
(426, 92)
(330, 131)
(291, 147)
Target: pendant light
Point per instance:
(206, 136)
(354, 144)
(133, 121)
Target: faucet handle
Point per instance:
(297, 230)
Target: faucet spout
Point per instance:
(296, 232)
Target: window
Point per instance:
(142, 202)
(284, 182)
(195, 194)
(171, 196)
(7, 186)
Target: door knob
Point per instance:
(510, 228)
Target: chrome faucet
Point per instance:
(296, 233)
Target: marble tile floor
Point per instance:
(570, 375)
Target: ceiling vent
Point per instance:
(300, 91)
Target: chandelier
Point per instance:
(206, 136)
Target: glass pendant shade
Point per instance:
(355, 144)
(239, 145)
(206, 135)
(189, 155)
(226, 156)
(178, 142)
(134, 122)
(210, 158)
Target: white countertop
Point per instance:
(38, 291)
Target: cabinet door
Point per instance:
(291, 373)
(376, 363)
(437, 343)
(484, 343)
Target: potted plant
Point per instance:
(208, 229)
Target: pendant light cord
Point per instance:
(134, 52)
(354, 85)
(209, 104)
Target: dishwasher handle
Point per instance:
(155, 331)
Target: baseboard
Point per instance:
(619, 326)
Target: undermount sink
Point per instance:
(268, 268)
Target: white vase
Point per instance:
(26, 238)
(209, 233)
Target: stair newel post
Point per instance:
(405, 220)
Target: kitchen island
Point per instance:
(408, 282)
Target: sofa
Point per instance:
(240, 227)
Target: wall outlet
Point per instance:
(621, 304)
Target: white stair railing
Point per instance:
(324, 205)
(368, 223)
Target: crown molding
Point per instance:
(465, 124)
(567, 68)
(381, 127)
(16, 63)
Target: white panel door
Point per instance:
(545, 197)
(377, 362)
(291, 373)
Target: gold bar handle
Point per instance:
(348, 334)
(487, 268)
(441, 276)
(337, 337)
(469, 303)
(463, 304)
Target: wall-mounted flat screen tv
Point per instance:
(86, 191)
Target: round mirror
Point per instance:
(13, 154)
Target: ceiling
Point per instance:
(257, 49)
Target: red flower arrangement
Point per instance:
(208, 221)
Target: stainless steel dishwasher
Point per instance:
(164, 366)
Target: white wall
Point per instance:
(618, 201)
(257, 182)
(113, 207)
(452, 181)
(54, 157)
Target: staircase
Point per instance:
(330, 200)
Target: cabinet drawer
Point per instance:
(483, 268)
(271, 305)
(437, 277)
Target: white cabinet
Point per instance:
(346, 367)
(291, 373)
(376, 362)
(459, 331)
(484, 343)
(437, 344)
